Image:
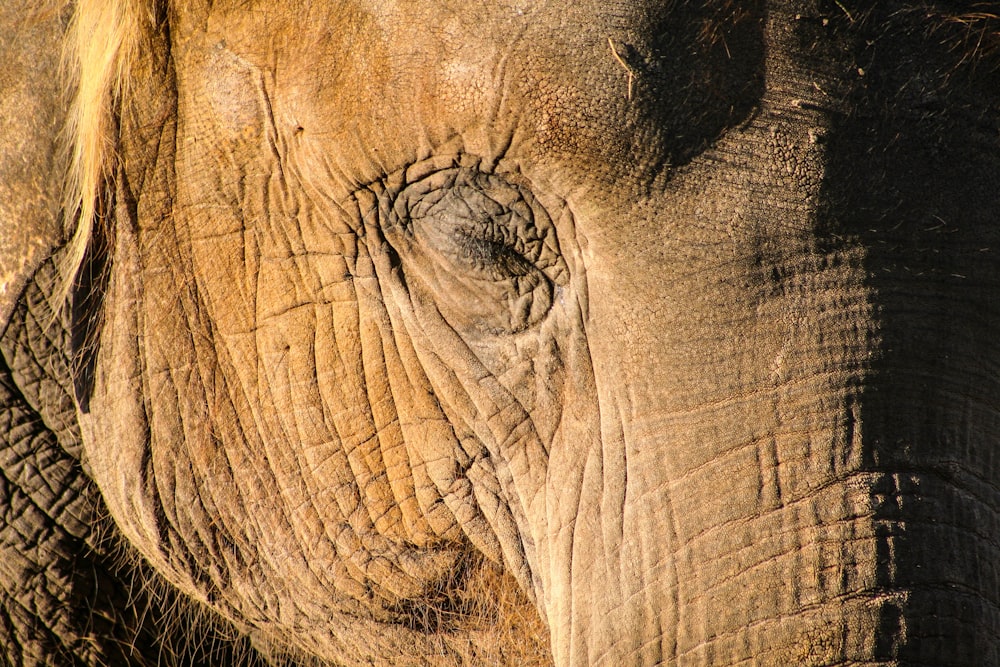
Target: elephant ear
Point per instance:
(32, 113)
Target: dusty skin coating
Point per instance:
(437, 333)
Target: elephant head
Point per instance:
(602, 333)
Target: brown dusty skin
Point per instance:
(506, 333)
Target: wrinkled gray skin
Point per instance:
(469, 333)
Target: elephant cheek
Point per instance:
(341, 478)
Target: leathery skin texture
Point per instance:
(449, 333)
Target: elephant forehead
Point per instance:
(374, 85)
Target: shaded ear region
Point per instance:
(86, 302)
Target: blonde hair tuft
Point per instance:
(100, 48)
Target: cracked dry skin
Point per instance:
(509, 333)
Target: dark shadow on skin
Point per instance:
(708, 76)
(912, 176)
(87, 299)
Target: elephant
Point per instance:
(500, 333)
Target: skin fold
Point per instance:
(452, 333)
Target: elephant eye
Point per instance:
(484, 248)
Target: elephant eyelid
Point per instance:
(484, 248)
(481, 221)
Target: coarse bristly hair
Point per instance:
(100, 46)
(969, 28)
